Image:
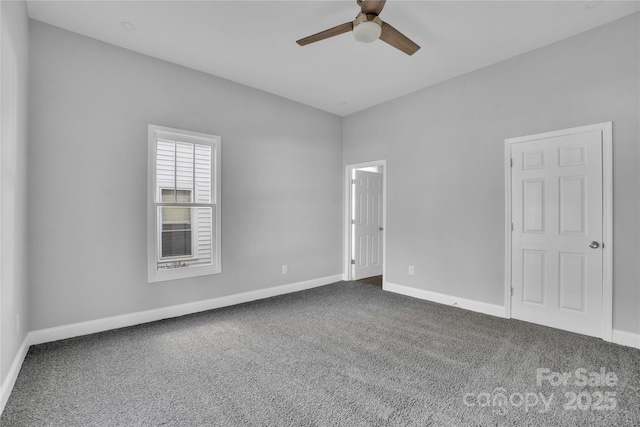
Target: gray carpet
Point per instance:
(344, 354)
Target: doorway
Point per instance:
(365, 211)
(559, 229)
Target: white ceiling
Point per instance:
(253, 42)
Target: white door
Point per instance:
(367, 225)
(557, 237)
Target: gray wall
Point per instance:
(444, 147)
(90, 104)
(13, 178)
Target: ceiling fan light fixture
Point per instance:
(367, 32)
(367, 28)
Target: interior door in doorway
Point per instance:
(367, 224)
(557, 237)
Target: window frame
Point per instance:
(154, 224)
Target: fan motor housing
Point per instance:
(366, 17)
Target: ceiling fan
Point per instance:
(368, 27)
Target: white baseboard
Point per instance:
(12, 375)
(100, 325)
(628, 339)
(467, 304)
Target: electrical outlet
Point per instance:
(285, 269)
(411, 270)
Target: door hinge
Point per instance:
(353, 181)
(353, 221)
(511, 162)
(353, 262)
(511, 291)
(511, 226)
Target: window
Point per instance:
(183, 204)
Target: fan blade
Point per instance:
(340, 29)
(371, 6)
(398, 40)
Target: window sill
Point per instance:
(181, 273)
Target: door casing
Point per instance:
(606, 129)
(348, 255)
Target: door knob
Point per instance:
(594, 245)
(381, 229)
